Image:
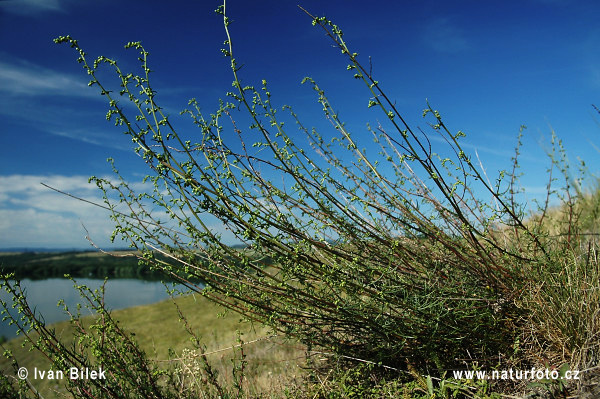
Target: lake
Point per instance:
(43, 296)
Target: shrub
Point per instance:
(392, 258)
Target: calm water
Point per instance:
(43, 296)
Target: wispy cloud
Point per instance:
(444, 36)
(500, 152)
(32, 215)
(19, 77)
(102, 138)
(29, 7)
(54, 102)
(59, 103)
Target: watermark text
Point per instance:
(517, 375)
(73, 373)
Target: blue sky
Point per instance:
(489, 67)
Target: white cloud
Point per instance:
(34, 228)
(31, 184)
(52, 101)
(505, 154)
(57, 103)
(19, 77)
(29, 7)
(101, 138)
(32, 215)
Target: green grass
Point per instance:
(157, 329)
(560, 326)
(567, 289)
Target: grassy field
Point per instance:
(566, 288)
(270, 361)
(558, 329)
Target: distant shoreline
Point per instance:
(38, 265)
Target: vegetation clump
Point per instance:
(395, 256)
